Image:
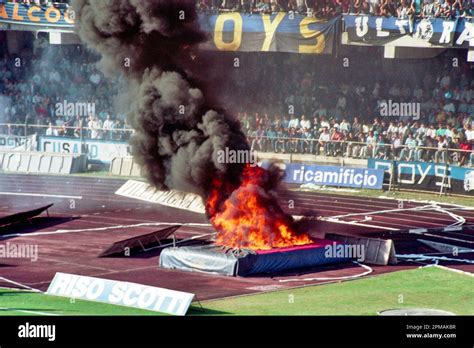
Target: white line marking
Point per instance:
(367, 271)
(24, 286)
(102, 229)
(37, 195)
(28, 312)
(454, 270)
(337, 221)
(459, 206)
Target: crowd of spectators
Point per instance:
(61, 4)
(329, 8)
(291, 104)
(323, 8)
(398, 140)
(330, 111)
(46, 76)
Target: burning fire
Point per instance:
(251, 217)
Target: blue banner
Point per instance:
(16, 13)
(424, 32)
(281, 32)
(334, 176)
(429, 176)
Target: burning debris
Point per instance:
(179, 130)
(251, 217)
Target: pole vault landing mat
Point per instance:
(22, 216)
(139, 244)
(232, 262)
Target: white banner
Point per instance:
(120, 293)
(176, 199)
(18, 143)
(98, 151)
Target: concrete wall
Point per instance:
(41, 162)
(126, 166)
(312, 159)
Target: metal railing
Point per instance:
(361, 150)
(288, 145)
(82, 132)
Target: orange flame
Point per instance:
(250, 217)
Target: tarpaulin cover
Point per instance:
(231, 262)
(207, 258)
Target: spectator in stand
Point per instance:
(51, 131)
(335, 147)
(280, 141)
(304, 123)
(409, 151)
(108, 128)
(397, 144)
(381, 149)
(293, 142)
(440, 155)
(324, 123)
(307, 143)
(431, 132)
(370, 144)
(271, 138)
(392, 128)
(345, 126)
(323, 142)
(420, 144)
(294, 123)
(95, 127)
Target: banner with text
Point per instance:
(16, 13)
(429, 176)
(18, 143)
(281, 32)
(97, 151)
(234, 31)
(120, 293)
(333, 176)
(425, 32)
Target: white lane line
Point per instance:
(24, 286)
(400, 215)
(102, 229)
(354, 223)
(77, 264)
(455, 270)
(37, 195)
(28, 312)
(146, 228)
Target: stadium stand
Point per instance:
(328, 8)
(319, 109)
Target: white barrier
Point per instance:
(313, 159)
(41, 162)
(125, 166)
(181, 200)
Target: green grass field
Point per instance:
(427, 287)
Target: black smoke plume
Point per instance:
(178, 128)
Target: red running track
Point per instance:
(87, 217)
